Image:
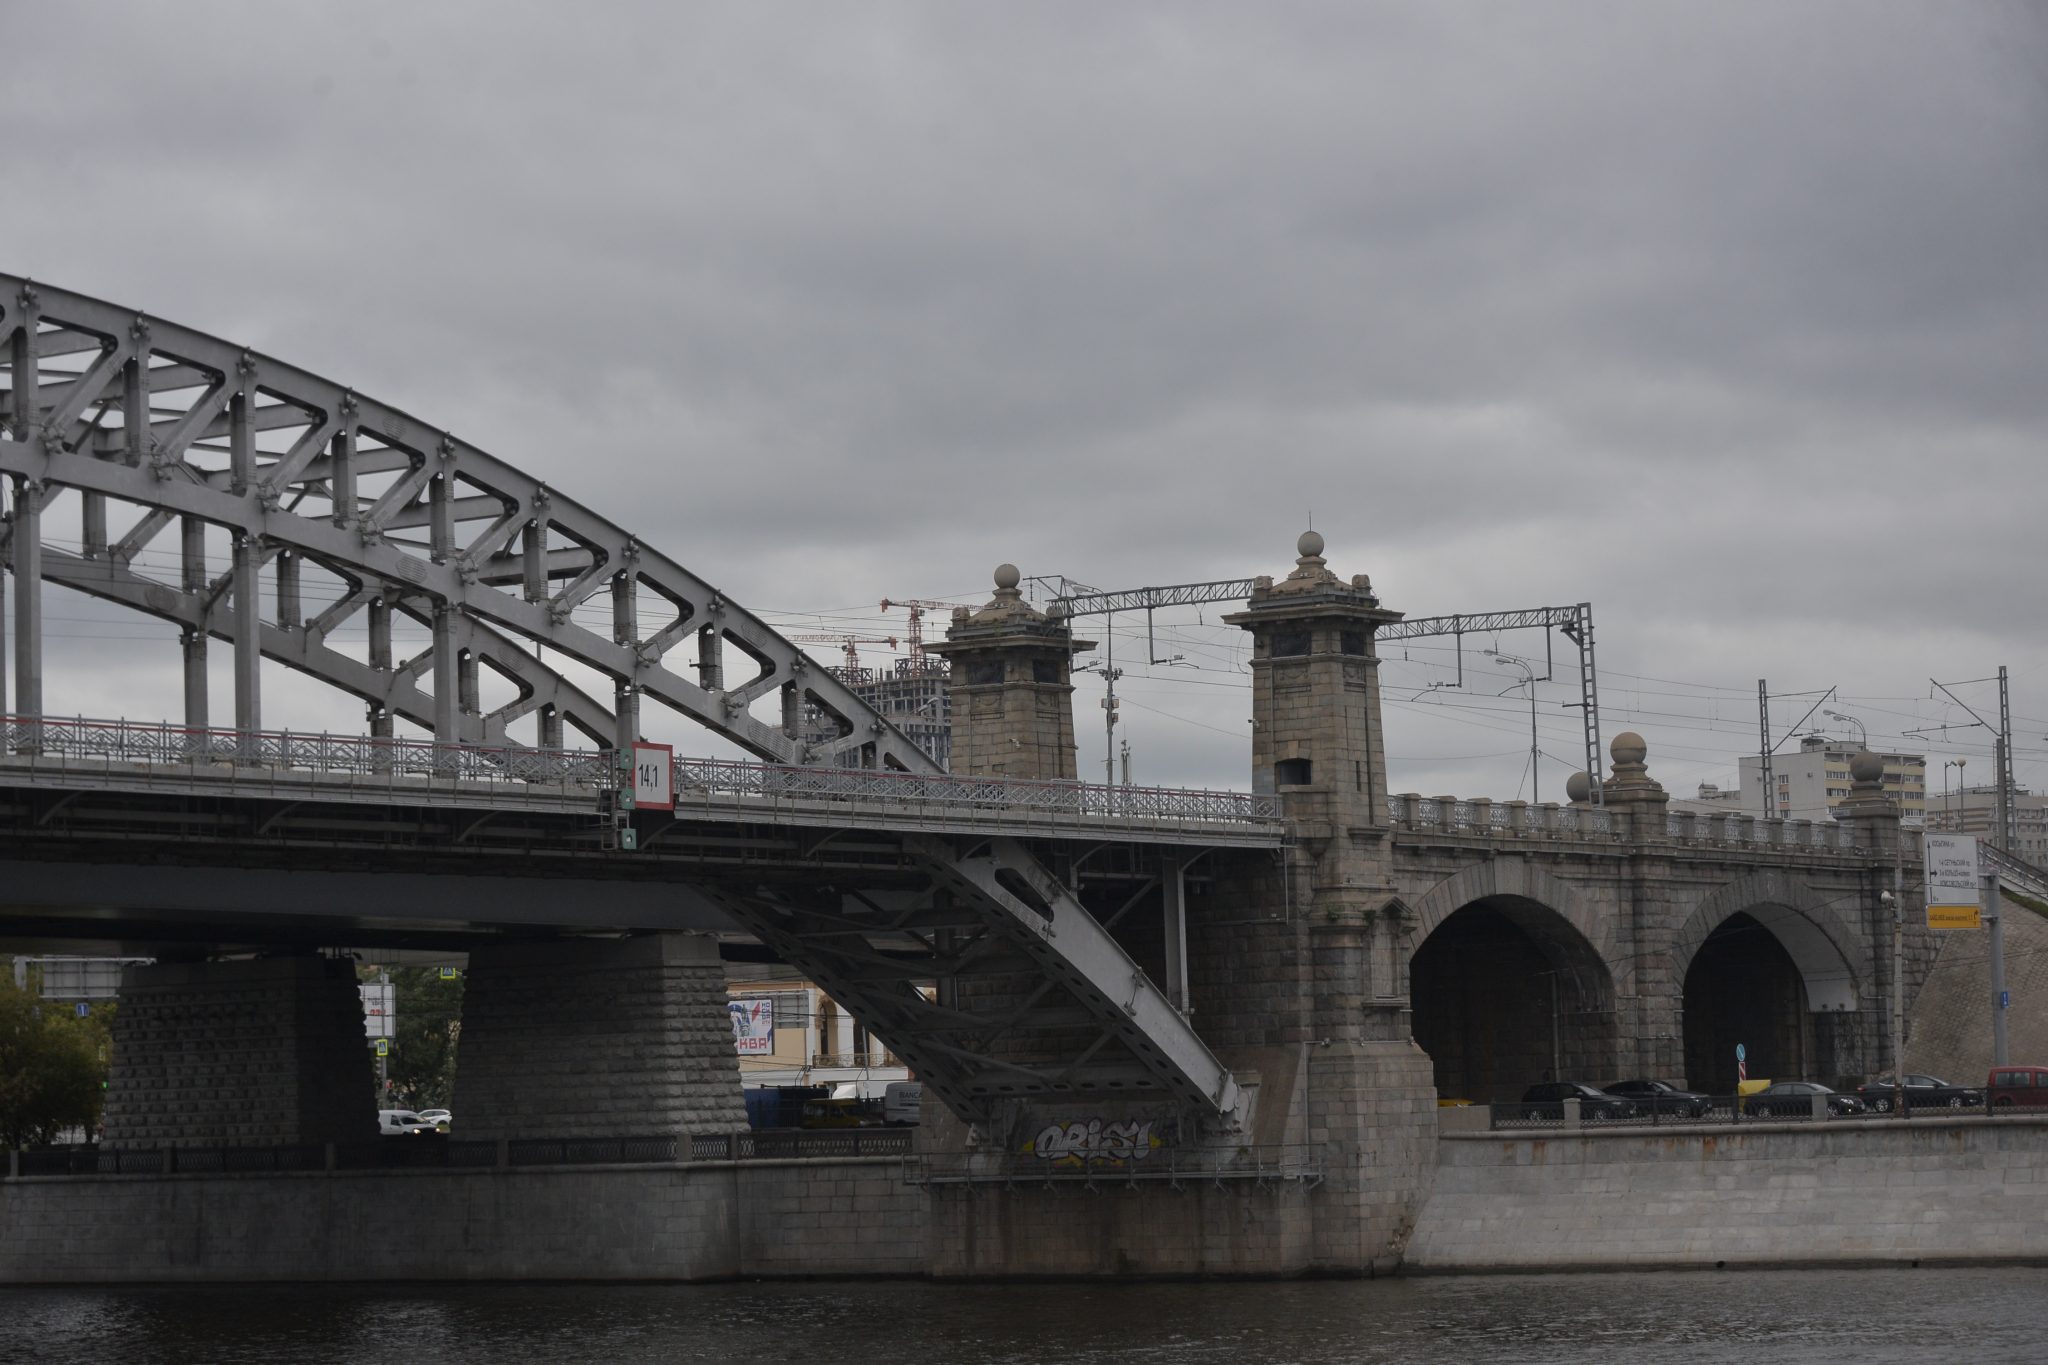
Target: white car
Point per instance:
(440, 1118)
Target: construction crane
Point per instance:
(851, 645)
(917, 607)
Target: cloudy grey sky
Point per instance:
(1729, 320)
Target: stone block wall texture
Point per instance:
(1839, 1194)
(706, 1222)
(597, 1038)
(1372, 1112)
(1069, 1231)
(257, 1053)
(1949, 1022)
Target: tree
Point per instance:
(53, 1066)
(422, 1061)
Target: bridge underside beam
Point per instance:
(1033, 996)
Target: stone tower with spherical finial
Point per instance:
(1316, 737)
(1012, 691)
(1317, 744)
(1369, 1095)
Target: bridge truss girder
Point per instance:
(1081, 1017)
(186, 427)
(392, 691)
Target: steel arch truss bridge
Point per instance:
(336, 511)
(149, 425)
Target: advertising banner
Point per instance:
(753, 1026)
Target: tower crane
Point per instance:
(917, 607)
(849, 643)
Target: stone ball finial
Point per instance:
(1578, 788)
(1628, 747)
(1867, 767)
(1309, 546)
(1007, 576)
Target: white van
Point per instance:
(395, 1122)
(900, 1101)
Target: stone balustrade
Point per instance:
(1521, 821)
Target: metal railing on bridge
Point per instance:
(2016, 873)
(360, 761)
(1727, 1110)
(148, 744)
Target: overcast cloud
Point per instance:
(1728, 319)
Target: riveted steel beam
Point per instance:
(323, 428)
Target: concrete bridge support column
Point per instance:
(597, 1038)
(249, 1053)
(1368, 1105)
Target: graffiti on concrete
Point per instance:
(1094, 1142)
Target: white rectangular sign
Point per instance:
(654, 777)
(380, 1009)
(753, 1026)
(1953, 899)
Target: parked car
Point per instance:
(401, 1122)
(1922, 1092)
(2023, 1087)
(1545, 1100)
(1663, 1097)
(1794, 1099)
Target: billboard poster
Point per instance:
(753, 1026)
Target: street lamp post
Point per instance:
(1862, 732)
(1528, 681)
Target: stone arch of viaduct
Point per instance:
(1625, 935)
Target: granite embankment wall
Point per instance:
(1860, 1193)
(705, 1221)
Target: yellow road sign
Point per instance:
(1955, 917)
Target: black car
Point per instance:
(1922, 1092)
(1662, 1097)
(1794, 1099)
(1546, 1101)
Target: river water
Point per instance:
(1778, 1316)
(1786, 1317)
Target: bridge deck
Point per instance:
(129, 756)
